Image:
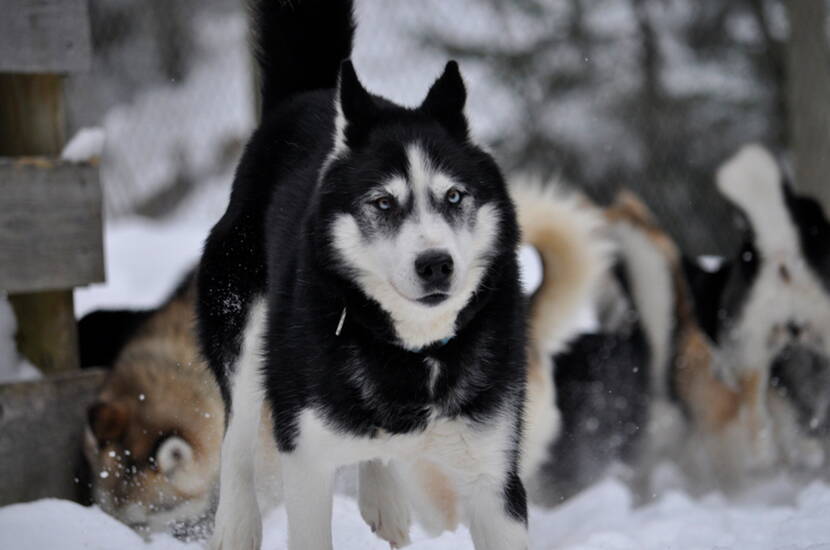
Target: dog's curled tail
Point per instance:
(299, 45)
(567, 231)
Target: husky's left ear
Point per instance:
(445, 101)
(356, 110)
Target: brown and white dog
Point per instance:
(697, 417)
(739, 366)
(154, 434)
(569, 235)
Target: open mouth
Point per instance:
(433, 299)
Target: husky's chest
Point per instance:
(460, 443)
(368, 392)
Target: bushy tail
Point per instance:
(300, 44)
(567, 232)
(652, 263)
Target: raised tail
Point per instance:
(653, 265)
(567, 232)
(299, 45)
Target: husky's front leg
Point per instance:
(238, 524)
(497, 513)
(383, 503)
(238, 521)
(308, 485)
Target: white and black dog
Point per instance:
(363, 285)
(768, 309)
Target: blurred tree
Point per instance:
(808, 69)
(137, 44)
(647, 94)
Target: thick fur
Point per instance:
(154, 433)
(774, 298)
(649, 262)
(613, 382)
(727, 436)
(781, 297)
(601, 381)
(567, 231)
(695, 416)
(154, 462)
(363, 286)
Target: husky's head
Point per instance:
(153, 460)
(416, 214)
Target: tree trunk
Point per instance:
(808, 66)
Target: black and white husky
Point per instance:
(363, 286)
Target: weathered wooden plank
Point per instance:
(41, 430)
(50, 225)
(44, 36)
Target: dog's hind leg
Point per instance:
(497, 513)
(383, 503)
(308, 486)
(238, 521)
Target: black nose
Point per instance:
(794, 329)
(434, 267)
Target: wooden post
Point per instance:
(40, 40)
(808, 77)
(50, 241)
(31, 115)
(32, 123)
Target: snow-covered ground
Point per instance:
(601, 518)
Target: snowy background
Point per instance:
(174, 127)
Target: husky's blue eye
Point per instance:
(453, 196)
(384, 203)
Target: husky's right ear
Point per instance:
(356, 110)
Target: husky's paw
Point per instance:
(389, 523)
(237, 531)
(382, 505)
